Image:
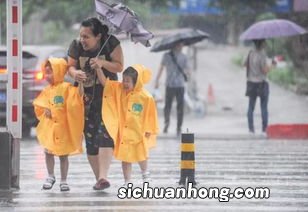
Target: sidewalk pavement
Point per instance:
(226, 117)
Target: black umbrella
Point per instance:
(187, 37)
(119, 18)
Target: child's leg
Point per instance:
(143, 166)
(64, 170)
(144, 170)
(127, 171)
(50, 164)
(64, 167)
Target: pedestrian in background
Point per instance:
(84, 54)
(176, 65)
(257, 86)
(130, 115)
(59, 131)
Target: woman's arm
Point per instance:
(77, 75)
(268, 67)
(116, 63)
(100, 74)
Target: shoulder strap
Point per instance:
(178, 66)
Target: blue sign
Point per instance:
(194, 7)
(283, 6)
(202, 7)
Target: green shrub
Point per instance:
(238, 60)
(282, 76)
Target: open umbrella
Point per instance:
(119, 18)
(187, 37)
(272, 29)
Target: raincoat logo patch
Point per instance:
(58, 100)
(137, 108)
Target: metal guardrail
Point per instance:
(3, 129)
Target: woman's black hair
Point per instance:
(258, 43)
(131, 72)
(96, 26)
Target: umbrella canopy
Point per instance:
(271, 29)
(187, 37)
(119, 18)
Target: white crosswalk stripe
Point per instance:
(281, 166)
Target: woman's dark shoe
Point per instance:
(101, 184)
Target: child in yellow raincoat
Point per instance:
(59, 108)
(129, 113)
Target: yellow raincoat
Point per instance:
(63, 133)
(129, 116)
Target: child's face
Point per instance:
(128, 83)
(49, 74)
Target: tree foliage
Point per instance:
(234, 8)
(237, 14)
(68, 12)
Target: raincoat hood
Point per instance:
(144, 76)
(59, 68)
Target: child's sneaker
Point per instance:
(146, 177)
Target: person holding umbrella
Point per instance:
(257, 86)
(95, 47)
(176, 65)
(257, 68)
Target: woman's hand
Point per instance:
(96, 63)
(79, 76)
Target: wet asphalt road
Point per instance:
(281, 166)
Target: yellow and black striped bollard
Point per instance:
(187, 159)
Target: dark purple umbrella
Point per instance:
(187, 37)
(272, 29)
(119, 18)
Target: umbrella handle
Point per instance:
(103, 46)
